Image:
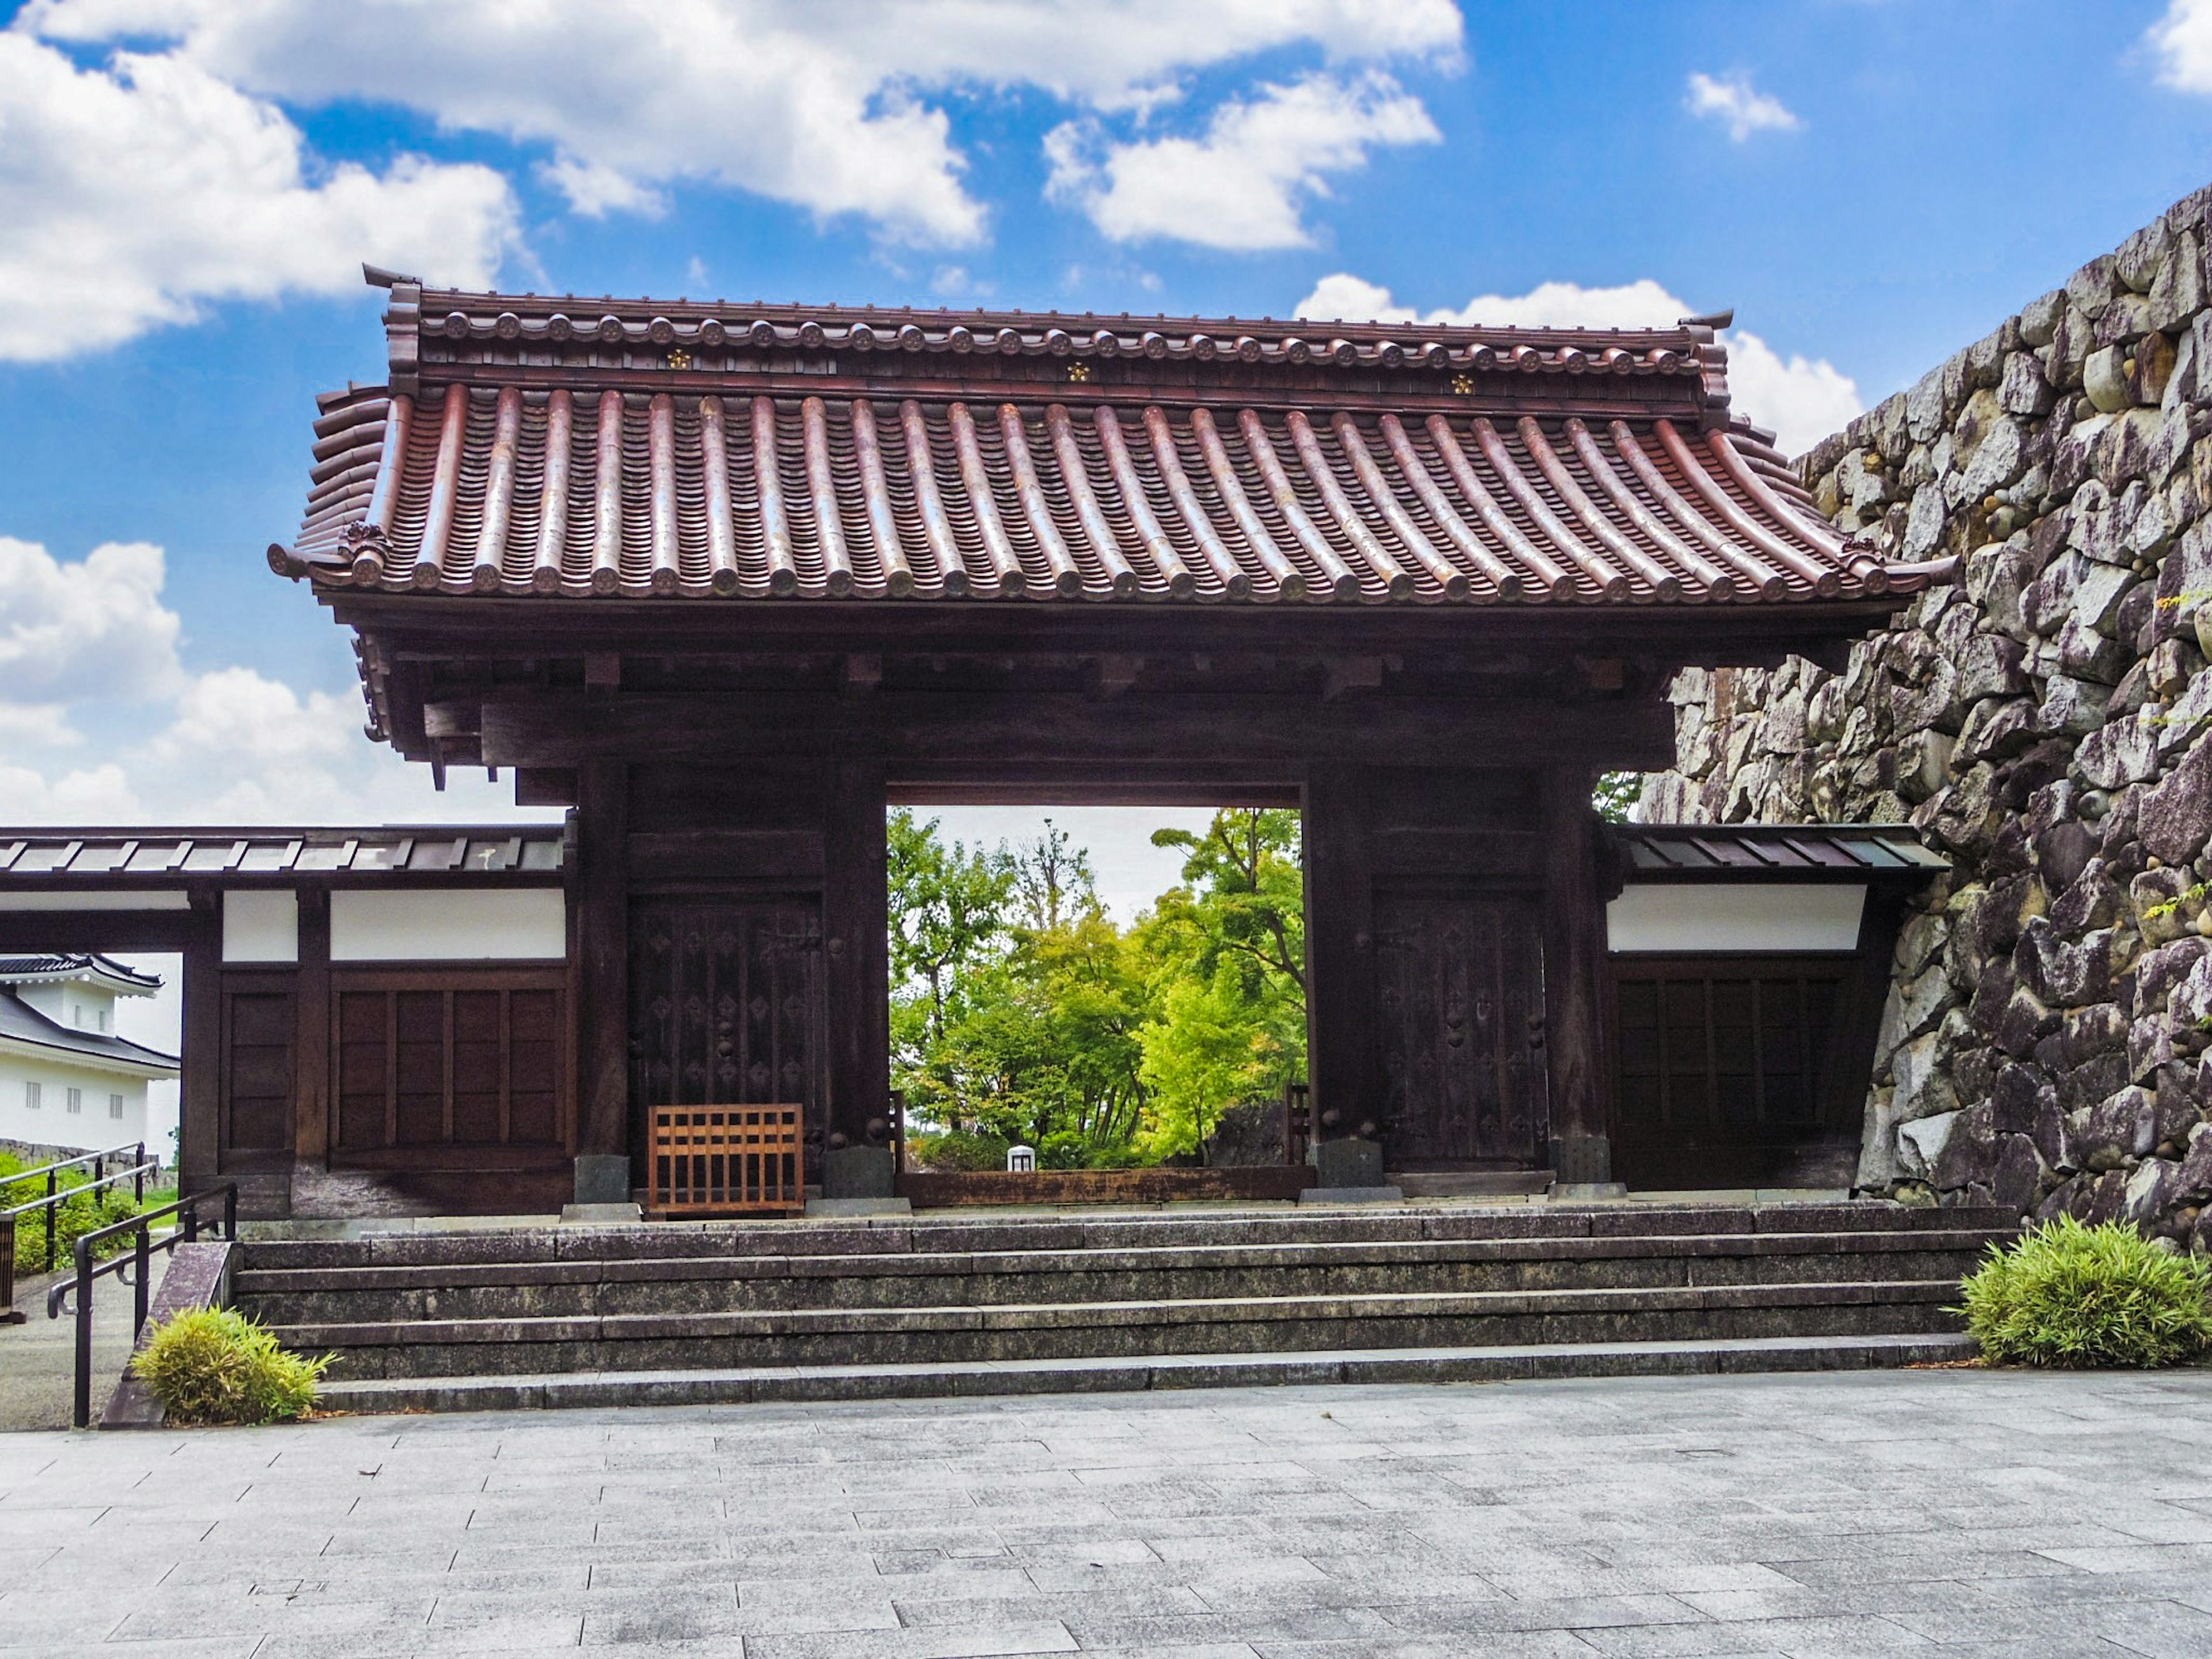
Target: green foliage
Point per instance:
(1615, 794)
(79, 1213)
(2070, 1295)
(1022, 1012)
(957, 1150)
(215, 1366)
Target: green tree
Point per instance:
(1053, 881)
(1615, 795)
(948, 910)
(1227, 947)
(1022, 1012)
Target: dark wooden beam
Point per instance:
(28, 933)
(200, 1088)
(311, 1043)
(520, 629)
(1342, 1061)
(1574, 957)
(558, 730)
(855, 925)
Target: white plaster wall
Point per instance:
(450, 923)
(53, 1124)
(261, 927)
(63, 1003)
(1732, 916)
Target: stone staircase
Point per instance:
(999, 1304)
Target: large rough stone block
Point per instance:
(2086, 1033)
(2064, 973)
(2159, 971)
(2190, 1002)
(1921, 1143)
(2193, 1175)
(2148, 1200)
(2125, 752)
(2176, 816)
(2122, 1126)
(1914, 1009)
(2018, 1178)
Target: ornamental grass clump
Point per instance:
(215, 1366)
(2068, 1295)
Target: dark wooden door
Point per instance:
(1459, 985)
(726, 1003)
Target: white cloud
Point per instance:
(595, 190)
(1641, 304)
(1241, 185)
(134, 191)
(89, 677)
(803, 102)
(96, 628)
(2183, 40)
(1732, 101)
(1802, 399)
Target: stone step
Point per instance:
(363, 1246)
(816, 1383)
(932, 1336)
(353, 1294)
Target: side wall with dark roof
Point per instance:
(2047, 723)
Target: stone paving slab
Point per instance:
(1922, 1513)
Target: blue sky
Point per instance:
(189, 186)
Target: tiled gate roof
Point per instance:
(529, 447)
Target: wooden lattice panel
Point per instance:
(717, 1159)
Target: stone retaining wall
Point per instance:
(2047, 722)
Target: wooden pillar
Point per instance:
(202, 1086)
(311, 1016)
(1574, 957)
(1341, 1057)
(856, 952)
(602, 1107)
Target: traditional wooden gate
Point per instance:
(726, 1006)
(1460, 988)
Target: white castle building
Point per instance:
(66, 1078)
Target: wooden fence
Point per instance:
(722, 1160)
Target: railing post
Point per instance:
(138, 1177)
(84, 1404)
(51, 1177)
(8, 1314)
(230, 1213)
(188, 1219)
(140, 1240)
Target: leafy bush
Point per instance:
(215, 1366)
(77, 1214)
(956, 1150)
(2065, 1294)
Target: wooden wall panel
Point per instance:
(430, 1061)
(258, 1027)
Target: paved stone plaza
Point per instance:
(1931, 1512)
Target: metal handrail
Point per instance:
(187, 1231)
(57, 1195)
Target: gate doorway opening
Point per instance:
(1112, 986)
